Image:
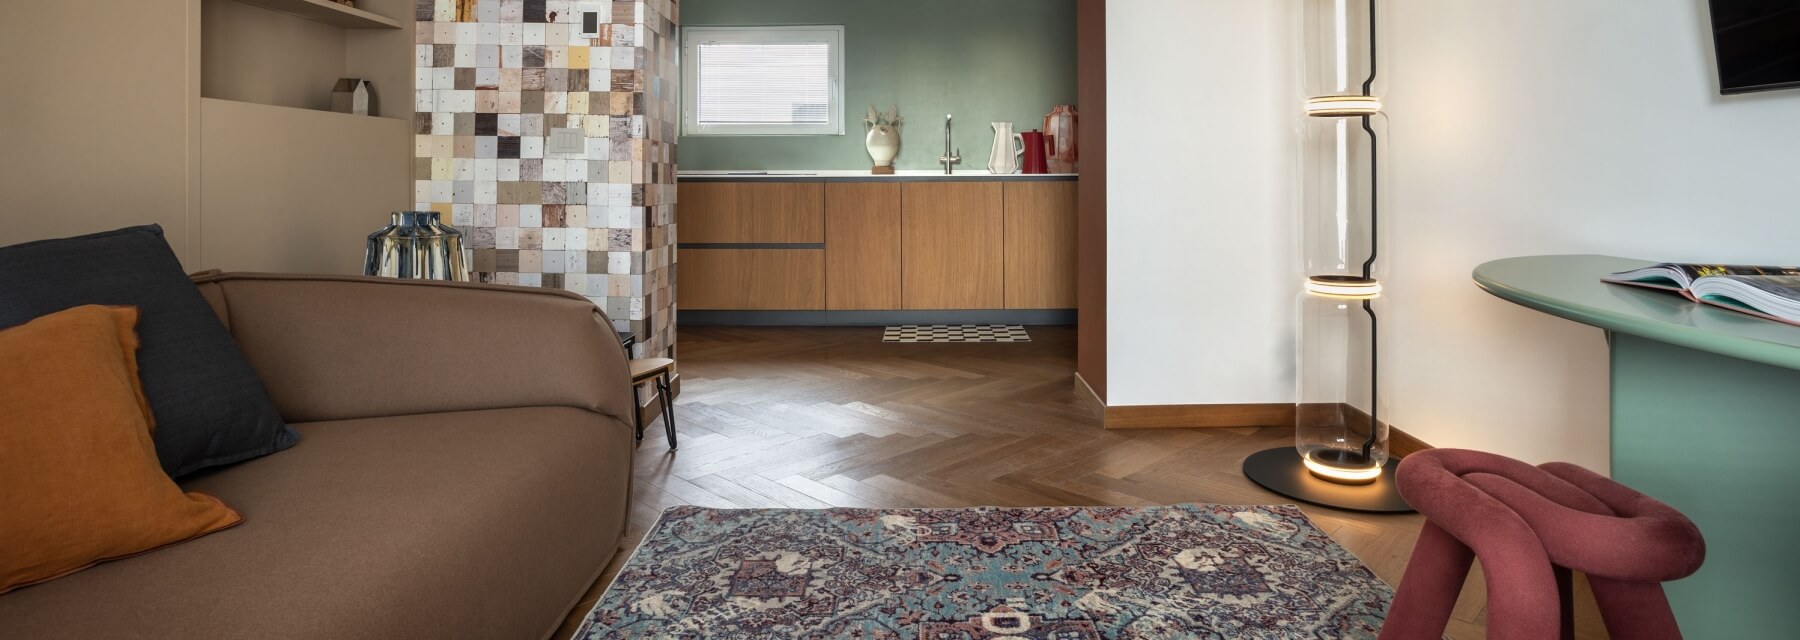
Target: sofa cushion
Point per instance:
(477, 524)
(210, 408)
(79, 483)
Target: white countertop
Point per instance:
(863, 174)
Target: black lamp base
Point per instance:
(1281, 471)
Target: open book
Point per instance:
(1769, 292)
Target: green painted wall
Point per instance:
(982, 60)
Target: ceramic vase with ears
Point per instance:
(884, 138)
(1060, 126)
(1008, 146)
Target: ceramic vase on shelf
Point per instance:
(884, 138)
(416, 245)
(1008, 146)
(1059, 128)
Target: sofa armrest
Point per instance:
(343, 347)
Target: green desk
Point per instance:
(1705, 417)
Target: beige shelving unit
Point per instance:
(285, 184)
(327, 12)
(289, 53)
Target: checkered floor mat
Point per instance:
(956, 333)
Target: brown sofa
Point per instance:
(464, 472)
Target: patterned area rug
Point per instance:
(956, 333)
(1068, 573)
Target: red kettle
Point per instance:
(1036, 161)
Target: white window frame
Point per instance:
(693, 37)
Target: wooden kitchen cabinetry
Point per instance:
(1040, 245)
(752, 279)
(748, 212)
(862, 246)
(951, 240)
(902, 246)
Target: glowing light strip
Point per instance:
(1346, 475)
(1343, 290)
(1342, 106)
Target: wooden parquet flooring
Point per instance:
(833, 417)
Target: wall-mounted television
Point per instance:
(1758, 44)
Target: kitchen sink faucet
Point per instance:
(949, 156)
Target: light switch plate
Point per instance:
(566, 140)
(589, 16)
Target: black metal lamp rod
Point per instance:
(1374, 245)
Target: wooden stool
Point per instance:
(658, 370)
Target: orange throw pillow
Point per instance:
(79, 479)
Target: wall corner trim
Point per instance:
(1089, 399)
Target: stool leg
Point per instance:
(637, 414)
(1523, 600)
(1434, 578)
(1565, 590)
(668, 402)
(1634, 609)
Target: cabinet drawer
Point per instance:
(751, 279)
(739, 212)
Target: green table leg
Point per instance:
(1719, 439)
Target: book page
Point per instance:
(1697, 271)
(1769, 296)
(1781, 286)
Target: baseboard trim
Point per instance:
(1400, 443)
(1028, 317)
(1089, 399)
(1188, 416)
(1181, 416)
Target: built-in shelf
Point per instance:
(327, 12)
(301, 110)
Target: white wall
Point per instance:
(1546, 126)
(1200, 201)
(1518, 128)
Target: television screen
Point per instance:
(1758, 44)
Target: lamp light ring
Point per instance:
(1342, 475)
(1351, 287)
(1342, 106)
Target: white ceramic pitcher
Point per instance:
(1008, 146)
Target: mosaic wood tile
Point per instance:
(493, 78)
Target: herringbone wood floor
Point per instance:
(814, 418)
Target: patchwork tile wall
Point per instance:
(500, 83)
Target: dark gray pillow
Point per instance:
(210, 407)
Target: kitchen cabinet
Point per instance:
(1040, 245)
(952, 239)
(751, 279)
(869, 249)
(862, 246)
(749, 212)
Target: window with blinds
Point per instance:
(763, 80)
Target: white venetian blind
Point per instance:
(763, 83)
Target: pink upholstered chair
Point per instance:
(1530, 526)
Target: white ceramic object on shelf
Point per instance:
(884, 137)
(1008, 146)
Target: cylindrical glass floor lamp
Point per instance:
(1340, 453)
